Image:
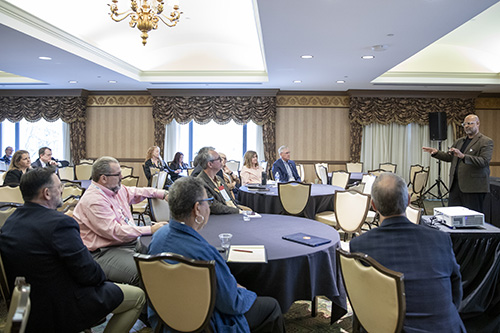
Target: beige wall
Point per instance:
(122, 132)
(489, 125)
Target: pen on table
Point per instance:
(246, 251)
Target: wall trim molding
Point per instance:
(312, 101)
(120, 100)
(487, 103)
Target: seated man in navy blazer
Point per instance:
(285, 168)
(69, 291)
(425, 256)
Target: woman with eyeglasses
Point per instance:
(20, 164)
(236, 308)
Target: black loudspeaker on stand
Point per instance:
(438, 132)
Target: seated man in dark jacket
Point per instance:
(69, 291)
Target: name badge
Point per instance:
(225, 195)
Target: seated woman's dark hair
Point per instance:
(182, 196)
(33, 181)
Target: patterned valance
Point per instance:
(367, 110)
(71, 110)
(221, 109)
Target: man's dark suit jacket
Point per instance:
(431, 274)
(69, 292)
(279, 166)
(474, 169)
(219, 204)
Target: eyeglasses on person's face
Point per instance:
(113, 174)
(208, 200)
(469, 123)
(217, 159)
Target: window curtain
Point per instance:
(403, 111)
(221, 109)
(402, 145)
(71, 110)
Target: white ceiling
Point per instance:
(255, 44)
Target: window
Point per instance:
(32, 136)
(231, 139)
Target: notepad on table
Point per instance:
(306, 239)
(247, 253)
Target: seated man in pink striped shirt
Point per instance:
(107, 226)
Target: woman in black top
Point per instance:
(176, 166)
(19, 165)
(153, 161)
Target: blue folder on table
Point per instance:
(306, 239)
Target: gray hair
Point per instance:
(182, 196)
(101, 167)
(280, 149)
(206, 157)
(390, 194)
(197, 158)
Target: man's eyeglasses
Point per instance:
(208, 200)
(217, 159)
(113, 174)
(468, 123)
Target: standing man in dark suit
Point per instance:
(284, 167)
(425, 256)
(69, 291)
(470, 160)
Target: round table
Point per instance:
(293, 271)
(268, 202)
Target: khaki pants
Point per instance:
(126, 314)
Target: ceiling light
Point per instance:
(368, 57)
(379, 48)
(306, 56)
(45, 58)
(72, 81)
(297, 81)
(112, 81)
(340, 81)
(146, 16)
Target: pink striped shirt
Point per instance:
(105, 218)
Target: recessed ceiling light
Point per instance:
(306, 56)
(379, 48)
(297, 81)
(45, 58)
(112, 81)
(368, 57)
(72, 81)
(340, 81)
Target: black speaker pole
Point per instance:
(438, 183)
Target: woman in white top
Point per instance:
(251, 172)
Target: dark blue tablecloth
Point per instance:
(268, 202)
(293, 271)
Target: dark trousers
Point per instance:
(265, 316)
(472, 201)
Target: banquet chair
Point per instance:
(69, 203)
(190, 171)
(160, 211)
(20, 307)
(413, 213)
(87, 160)
(6, 210)
(181, 291)
(83, 171)
(388, 167)
(354, 167)
(375, 293)
(130, 181)
(139, 208)
(233, 165)
(66, 173)
(294, 197)
(301, 172)
(127, 171)
(413, 170)
(71, 189)
(162, 179)
(418, 187)
(340, 178)
(322, 172)
(368, 180)
(376, 172)
(351, 209)
(11, 195)
(3, 166)
(4, 284)
(263, 164)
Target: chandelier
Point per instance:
(145, 16)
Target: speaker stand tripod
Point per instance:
(438, 183)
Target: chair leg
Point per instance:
(314, 306)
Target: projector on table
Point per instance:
(459, 217)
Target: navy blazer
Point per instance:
(431, 274)
(279, 166)
(69, 292)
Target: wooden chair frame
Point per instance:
(367, 261)
(161, 259)
(392, 167)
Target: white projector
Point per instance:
(459, 217)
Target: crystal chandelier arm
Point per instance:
(114, 13)
(172, 20)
